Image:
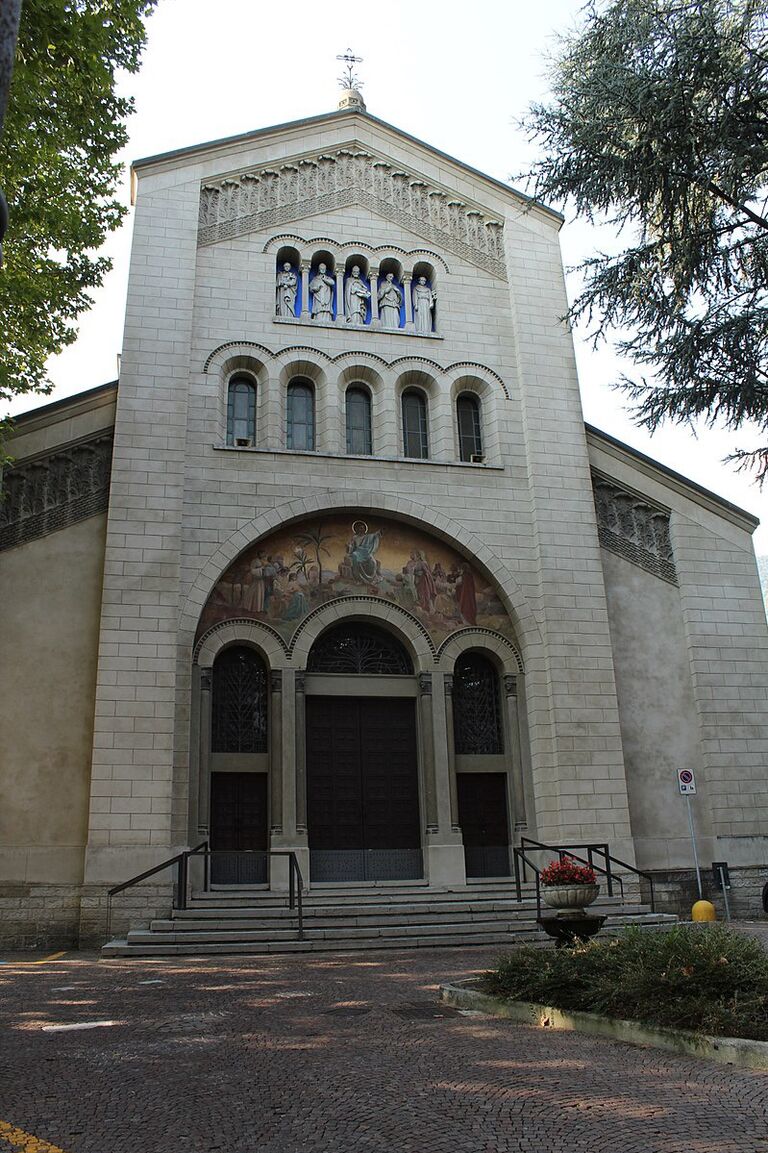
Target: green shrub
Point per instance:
(700, 977)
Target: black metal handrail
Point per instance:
(181, 882)
(295, 878)
(601, 849)
(178, 861)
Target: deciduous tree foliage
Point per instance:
(63, 128)
(659, 122)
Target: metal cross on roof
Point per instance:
(350, 80)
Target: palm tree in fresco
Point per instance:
(315, 538)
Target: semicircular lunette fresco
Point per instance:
(295, 570)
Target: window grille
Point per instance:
(477, 726)
(301, 416)
(359, 435)
(470, 440)
(239, 721)
(241, 412)
(356, 648)
(415, 442)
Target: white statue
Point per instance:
(390, 299)
(355, 297)
(321, 287)
(423, 303)
(287, 283)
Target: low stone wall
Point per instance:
(676, 891)
(42, 916)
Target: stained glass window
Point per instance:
(359, 439)
(415, 442)
(301, 415)
(358, 648)
(239, 721)
(241, 411)
(477, 727)
(468, 414)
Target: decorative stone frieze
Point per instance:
(633, 528)
(55, 491)
(268, 197)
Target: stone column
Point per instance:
(374, 279)
(445, 851)
(514, 753)
(428, 750)
(204, 775)
(408, 302)
(340, 310)
(454, 791)
(301, 754)
(305, 310)
(276, 752)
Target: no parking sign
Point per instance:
(686, 782)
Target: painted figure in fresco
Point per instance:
(361, 552)
(423, 303)
(254, 592)
(287, 282)
(465, 595)
(390, 299)
(297, 604)
(423, 581)
(321, 287)
(355, 297)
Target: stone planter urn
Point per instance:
(569, 897)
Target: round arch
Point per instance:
(396, 620)
(222, 636)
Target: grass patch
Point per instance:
(700, 977)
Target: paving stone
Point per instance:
(336, 1054)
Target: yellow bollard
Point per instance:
(703, 911)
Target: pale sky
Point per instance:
(455, 75)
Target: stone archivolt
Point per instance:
(268, 197)
(55, 491)
(635, 529)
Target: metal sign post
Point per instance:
(687, 784)
(722, 878)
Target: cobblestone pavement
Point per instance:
(335, 1054)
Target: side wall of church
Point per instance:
(50, 590)
(692, 674)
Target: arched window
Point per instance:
(477, 726)
(359, 438)
(239, 704)
(301, 415)
(358, 648)
(241, 412)
(415, 442)
(468, 415)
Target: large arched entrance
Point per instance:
(362, 765)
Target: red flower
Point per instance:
(567, 872)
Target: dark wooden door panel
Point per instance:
(484, 823)
(239, 823)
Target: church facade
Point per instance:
(337, 568)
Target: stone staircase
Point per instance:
(353, 917)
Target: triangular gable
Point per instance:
(273, 195)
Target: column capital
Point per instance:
(425, 684)
(276, 680)
(510, 685)
(301, 680)
(206, 679)
(448, 682)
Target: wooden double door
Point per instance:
(362, 789)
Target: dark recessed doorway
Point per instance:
(239, 828)
(484, 823)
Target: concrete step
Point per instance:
(185, 947)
